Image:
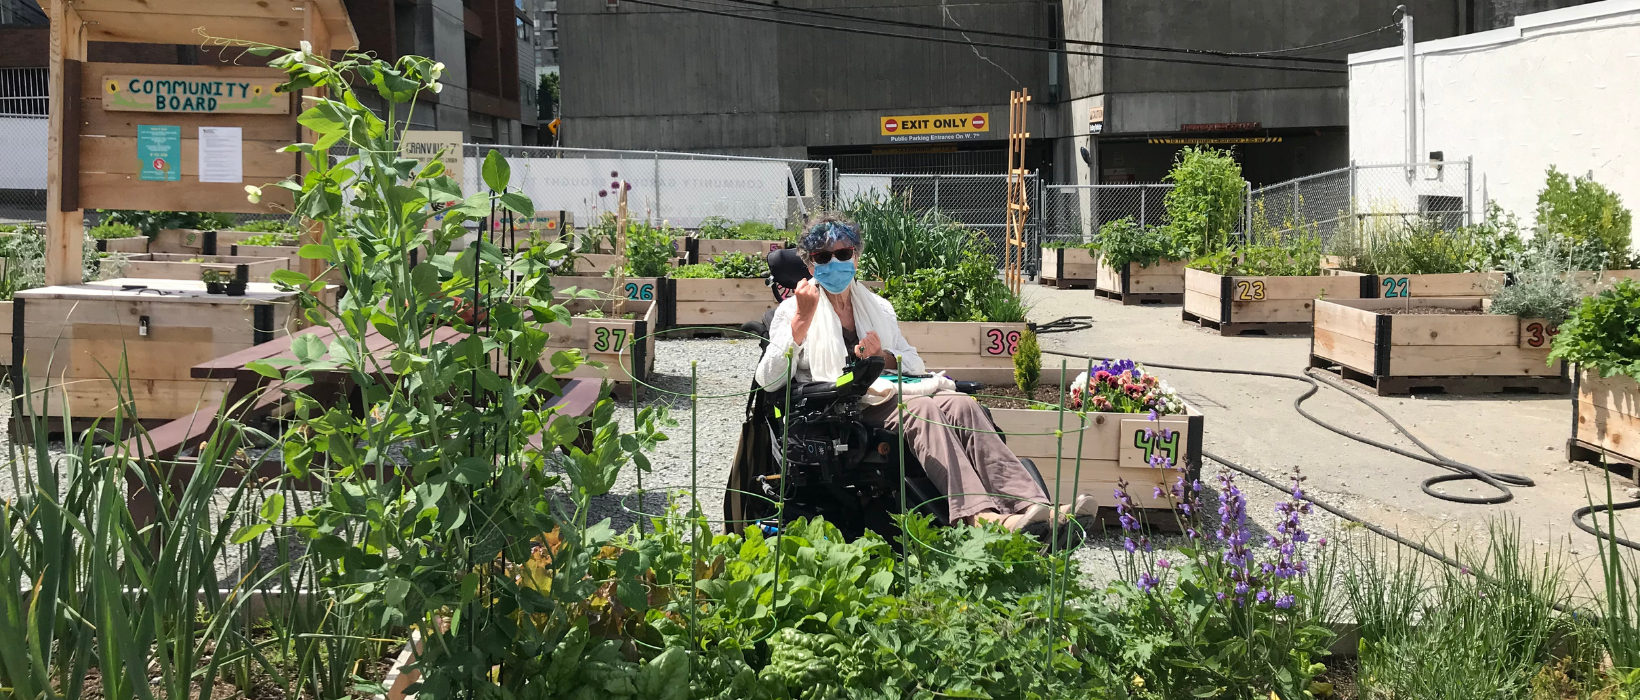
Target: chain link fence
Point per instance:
(1076, 212)
(681, 189)
(1357, 196)
(23, 135)
(979, 202)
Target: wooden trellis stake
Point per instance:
(1019, 207)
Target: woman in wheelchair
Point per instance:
(831, 316)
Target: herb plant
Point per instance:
(112, 230)
(151, 222)
(1027, 363)
(267, 239)
(969, 292)
(649, 249)
(1122, 241)
(1541, 284)
(738, 265)
(1588, 215)
(900, 240)
(1603, 333)
(1295, 256)
(717, 227)
(1393, 245)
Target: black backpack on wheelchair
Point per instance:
(836, 466)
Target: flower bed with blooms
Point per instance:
(1123, 386)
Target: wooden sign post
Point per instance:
(171, 137)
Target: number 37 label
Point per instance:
(998, 341)
(608, 337)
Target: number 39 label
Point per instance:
(1535, 333)
(607, 337)
(995, 341)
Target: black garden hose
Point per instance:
(1063, 325)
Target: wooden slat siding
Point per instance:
(1606, 413)
(117, 155)
(601, 285)
(1165, 277)
(1438, 330)
(1461, 284)
(706, 302)
(1271, 311)
(1106, 278)
(5, 333)
(1354, 353)
(116, 191)
(95, 397)
(1479, 360)
(617, 364)
(256, 269)
(596, 264)
(1099, 469)
(1345, 318)
(1201, 294)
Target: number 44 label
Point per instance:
(999, 341)
(1143, 439)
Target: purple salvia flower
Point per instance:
(1285, 601)
(1147, 582)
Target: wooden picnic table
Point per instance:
(166, 443)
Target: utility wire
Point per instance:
(982, 44)
(1079, 42)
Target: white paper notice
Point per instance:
(221, 157)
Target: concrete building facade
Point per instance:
(1551, 89)
(708, 76)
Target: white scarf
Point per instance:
(825, 351)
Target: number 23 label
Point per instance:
(1249, 290)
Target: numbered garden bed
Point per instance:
(719, 302)
(1069, 267)
(1605, 421)
(1458, 284)
(1161, 283)
(968, 351)
(700, 250)
(289, 252)
(1113, 446)
(1234, 305)
(1433, 345)
(181, 266)
(633, 288)
(626, 346)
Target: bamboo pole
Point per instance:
(620, 254)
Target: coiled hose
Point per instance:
(1459, 470)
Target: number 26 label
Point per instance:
(1249, 290)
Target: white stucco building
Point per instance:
(1558, 88)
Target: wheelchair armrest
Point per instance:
(970, 388)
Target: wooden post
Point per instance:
(65, 220)
(1019, 207)
(618, 288)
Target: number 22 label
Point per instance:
(1396, 287)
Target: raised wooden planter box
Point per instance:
(1068, 267)
(291, 255)
(194, 243)
(612, 341)
(971, 351)
(1457, 284)
(1605, 421)
(699, 250)
(1114, 446)
(72, 337)
(1162, 283)
(1433, 353)
(718, 302)
(134, 244)
(177, 266)
(1262, 305)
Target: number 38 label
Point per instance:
(998, 341)
(608, 337)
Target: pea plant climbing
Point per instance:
(447, 486)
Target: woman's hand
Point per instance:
(808, 299)
(869, 346)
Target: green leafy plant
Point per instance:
(969, 292)
(1296, 256)
(649, 249)
(1122, 241)
(1393, 245)
(698, 271)
(738, 265)
(900, 240)
(151, 222)
(113, 230)
(268, 239)
(267, 226)
(1592, 217)
(1603, 333)
(210, 276)
(717, 227)
(1027, 363)
(1205, 205)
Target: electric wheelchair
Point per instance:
(838, 467)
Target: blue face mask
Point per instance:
(834, 276)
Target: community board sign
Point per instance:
(154, 93)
